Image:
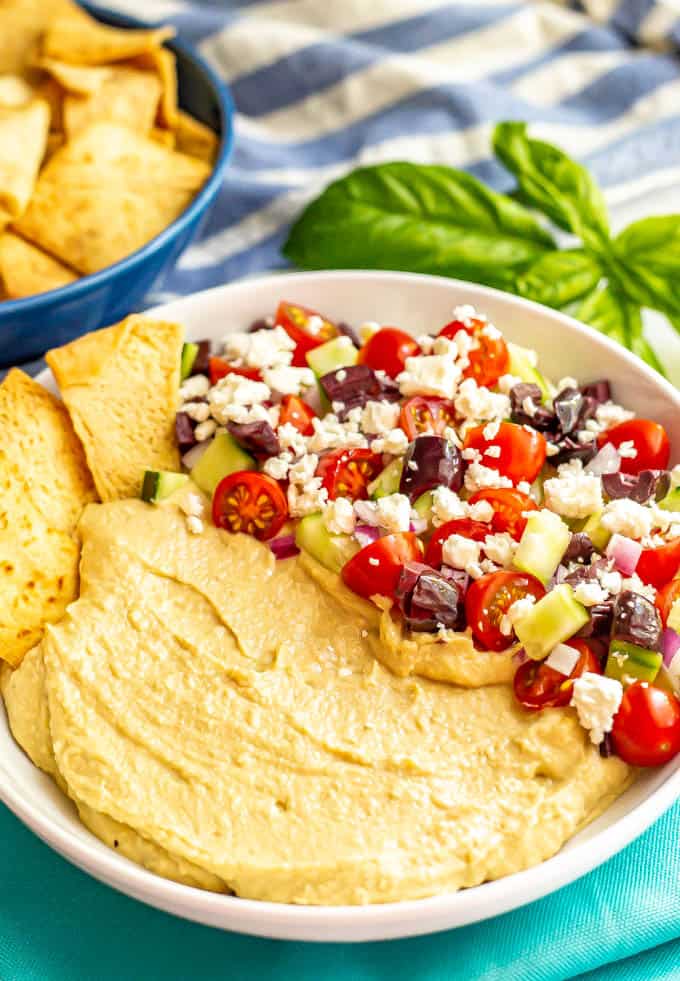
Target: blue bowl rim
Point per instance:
(226, 111)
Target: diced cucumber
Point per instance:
(387, 481)
(671, 502)
(598, 535)
(423, 506)
(335, 354)
(332, 551)
(551, 621)
(223, 456)
(523, 365)
(159, 484)
(542, 545)
(189, 352)
(628, 660)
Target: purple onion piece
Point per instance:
(430, 461)
(670, 645)
(348, 331)
(636, 621)
(600, 622)
(284, 547)
(579, 549)
(184, 431)
(353, 387)
(606, 460)
(638, 487)
(600, 391)
(201, 365)
(571, 449)
(257, 437)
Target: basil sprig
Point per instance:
(436, 219)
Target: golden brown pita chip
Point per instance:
(106, 193)
(23, 137)
(91, 43)
(54, 142)
(14, 91)
(79, 79)
(51, 91)
(129, 97)
(121, 386)
(196, 139)
(44, 486)
(164, 63)
(164, 136)
(26, 270)
(22, 23)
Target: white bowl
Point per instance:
(419, 304)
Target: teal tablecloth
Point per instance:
(57, 924)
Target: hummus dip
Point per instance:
(223, 719)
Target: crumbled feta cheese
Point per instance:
(261, 349)
(563, 658)
(378, 418)
(494, 451)
(367, 330)
(194, 524)
(491, 429)
(609, 414)
(366, 512)
(471, 455)
(524, 486)
(480, 511)
(307, 499)
(231, 393)
(330, 434)
(507, 382)
(198, 411)
(340, 375)
(478, 477)
(460, 552)
(394, 512)
(596, 699)
(446, 505)
(573, 493)
(445, 346)
(337, 406)
(194, 387)
(627, 518)
(566, 382)
(493, 333)
(466, 313)
(288, 381)
(205, 430)
(627, 449)
(292, 439)
(529, 406)
(339, 516)
(500, 548)
(276, 467)
(192, 505)
(431, 374)
(636, 585)
(395, 442)
(516, 612)
(551, 449)
(475, 403)
(303, 469)
(425, 343)
(590, 593)
(611, 580)
(314, 323)
(585, 436)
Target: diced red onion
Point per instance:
(520, 657)
(284, 547)
(561, 574)
(365, 534)
(670, 645)
(191, 458)
(606, 461)
(313, 399)
(599, 390)
(625, 552)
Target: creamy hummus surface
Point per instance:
(248, 725)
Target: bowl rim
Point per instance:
(375, 921)
(227, 111)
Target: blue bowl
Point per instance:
(30, 326)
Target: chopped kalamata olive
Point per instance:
(579, 549)
(262, 323)
(600, 391)
(352, 387)
(258, 437)
(407, 580)
(526, 396)
(636, 621)
(568, 405)
(348, 331)
(600, 622)
(429, 600)
(430, 461)
(638, 487)
(184, 431)
(607, 746)
(201, 365)
(571, 449)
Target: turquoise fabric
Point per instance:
(57, 924)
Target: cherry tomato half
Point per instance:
(296, 321)
(666, 597)
(388, 349)
(647, 726)
(508, 506)
(252, 503)
(219, 368)
(476, 530)
(657, 566)
(375, 570)
(297, 413)
(522, 450)
(426, 414)
(488, 600)
(538, 686)
(488, 361)
(649, 439)
(347, 473)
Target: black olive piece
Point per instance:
(636, 621)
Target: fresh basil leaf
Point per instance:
(647, 257)
(557, 279)
(554, 183)
(609, 311)
(429, 219)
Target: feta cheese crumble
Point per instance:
(563, 658)
(572, 493)
(628, 518)
(379, 418)
(339, 517)
(432, 374)
(596, 699)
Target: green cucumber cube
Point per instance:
(551, 621)
(159, 484)
(387, 481)
(332, 551)
(189, 352)
(523, 365)
(629, 661)
(598, 535)
(542, 545)
(423, 506)
(671, 502)
(223, 456)
(334, 354)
